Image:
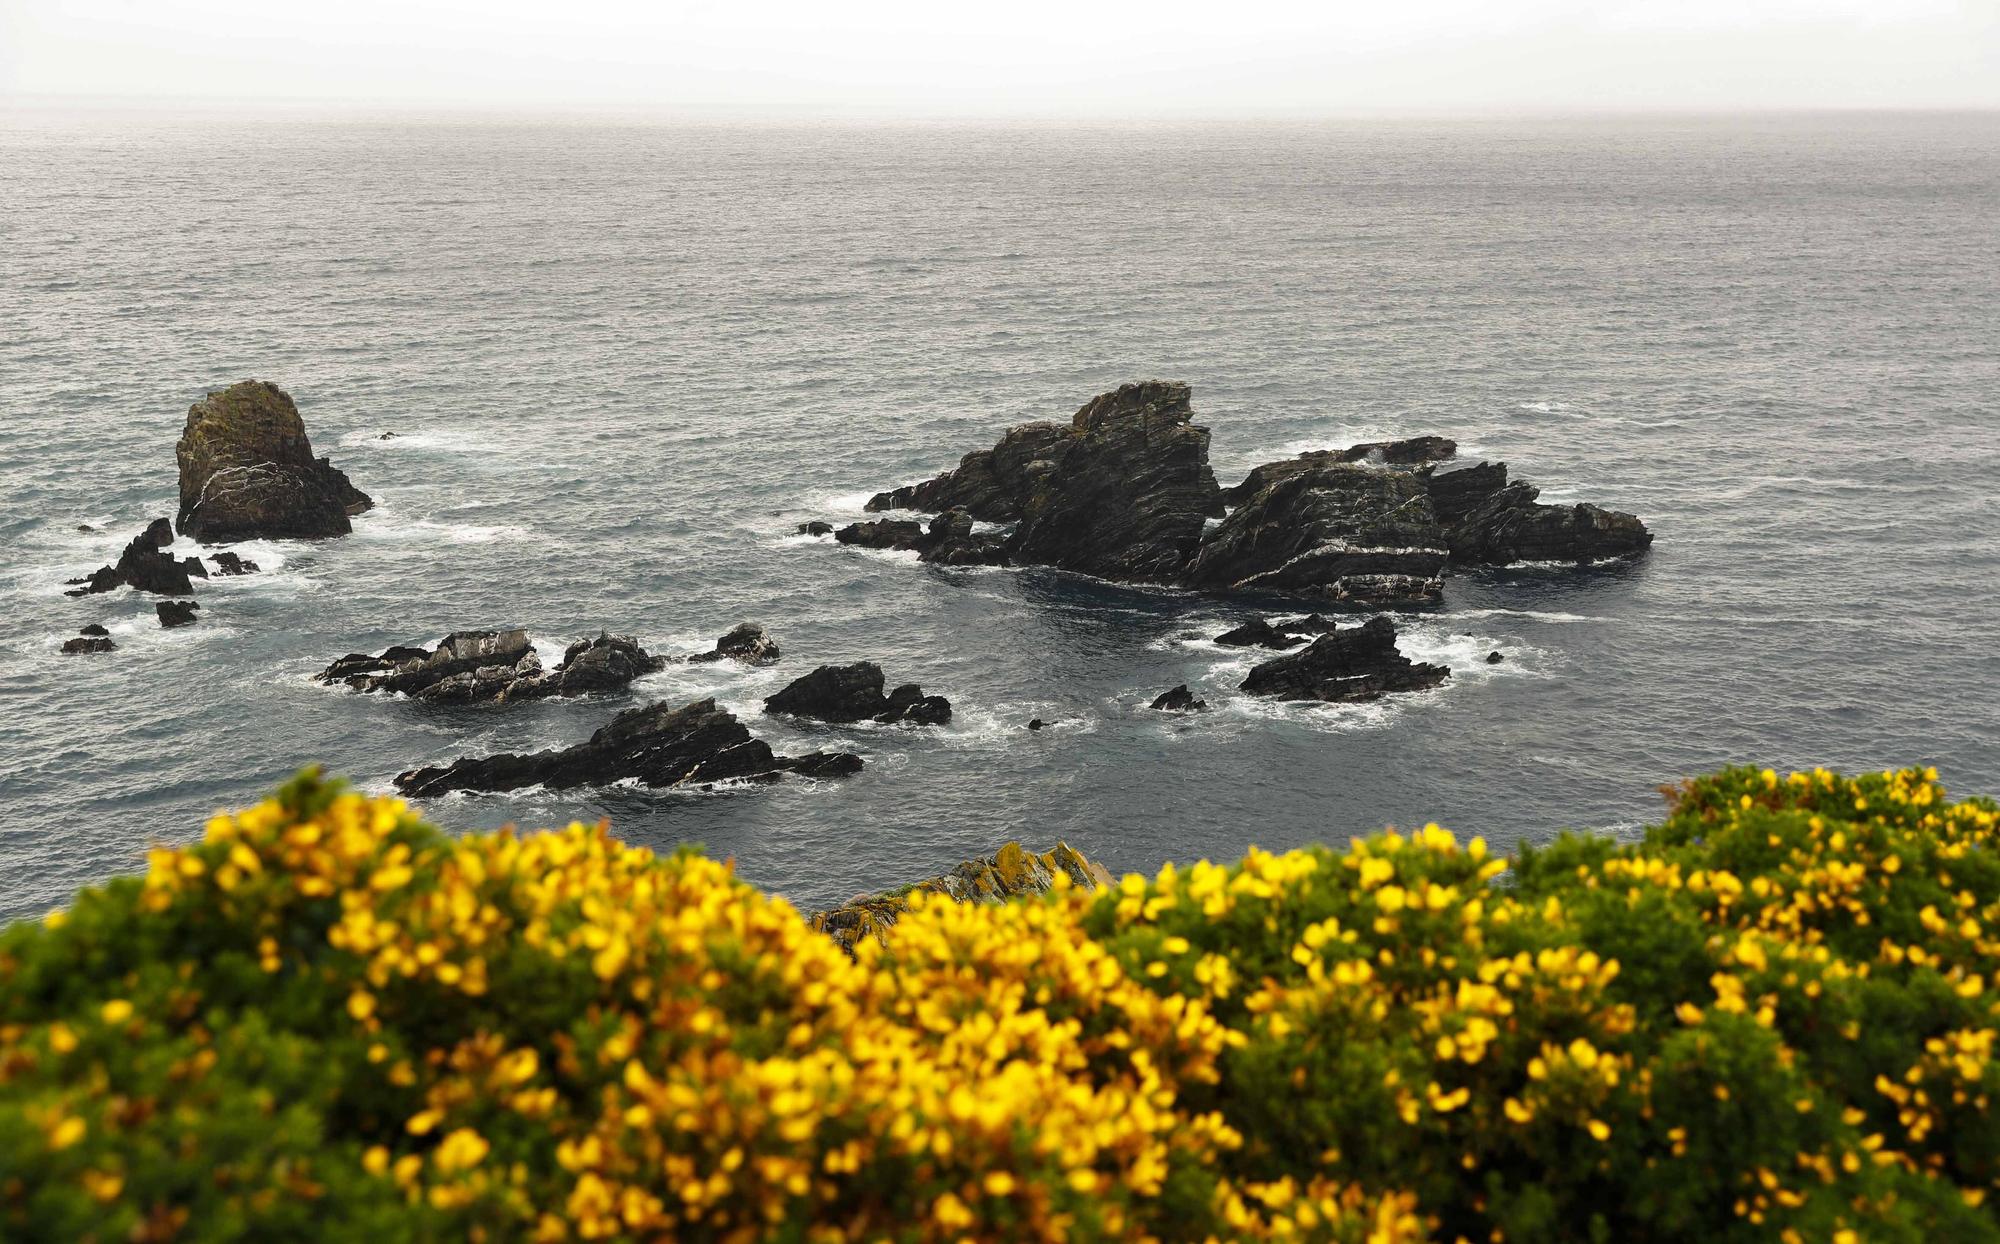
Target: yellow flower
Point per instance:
(116, 1011)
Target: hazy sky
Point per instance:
(1015, 57)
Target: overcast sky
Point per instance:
(1014, 57)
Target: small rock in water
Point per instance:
(1036, 723)
(227, 564)
(1359, 664)
(845, 693)
(816, 528)
(1179, 700)
(386, 436)
(175, 613)
(92, 640)
(1494, 658)
(746, 642)
(94, 629)
(476, 666)
(1258, 633)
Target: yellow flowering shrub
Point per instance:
(1772, 1019)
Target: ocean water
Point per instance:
(624, 361)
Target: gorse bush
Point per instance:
(1772, 1019)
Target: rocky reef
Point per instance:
(247, 471)
(145, 566)
(1345, 666)
(474, 666)
(849, 693)
(658, 745)
(1010, 871)
(92, 638)
(1124, 492)
(1178, 700)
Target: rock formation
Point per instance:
(92, 638)
(745, 642)
(993, 485)
(1415, 450)
(474, 666)
(949, 539)
(1010, 871)
(1343, 532)
(247, 470)
(847, 693)
(1345, 666)
(696, 744)
(229, 564)
(1257, 633)
(1179, 700)
(144, 566)
(173, 613)
(1491, 521)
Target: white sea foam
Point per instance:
(453, 441)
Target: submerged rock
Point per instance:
(476, 666)
(173, 613)
(746, 642)
(1010, 871)
(816, 528)
(657, 745)
(228, 564)
(1343, 532)
(1179, 700)
(1494, 658)
(1348, 666)
(247, 470)
(1257, 633)
(849, 693)
(1416, 449)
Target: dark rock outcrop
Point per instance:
(1010, 871)
(1310, 624)
(93, 629)
(1415, 450)
(746, 642)
(1494, 658)
(1491, 521)
(1257, 633)
(144, 566)
(93, 638)
(816, 528)
(173, 613)
(993, 485)
(1347, 666)
(228, 564)
(1179, 700)
(847, 693)
(476, 666)
(949, 539)
(883, 533)
(247, 470)
(657, 745)
(1342, 531)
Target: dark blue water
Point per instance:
(625, 361)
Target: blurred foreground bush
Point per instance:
(1773, 1019)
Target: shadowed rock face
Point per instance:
(1343, 532)
(473, 666)
(992, 485)
(1492, 521)
(848, 693)
(1416, 449)
(247, 471)
(1345, 666)
(657, 745)
(1010, 871)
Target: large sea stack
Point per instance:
(248, 472)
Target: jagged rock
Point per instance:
(657, 745)
(1311, 624)
(93, 639)
(228, 564)
(247, 470)
(951, 541)
(1179, 700)
(1121, 492)
(193, 568)
(476, 666)
(745, 642)
(1258, 633)
(816, 528)
(1010, 871)
(173, 613)
(883, 533)
(1036, 723)
(159, 533)
(993, 485)
(1344, 532)
(1362, 663)
(1416, 449)
(1492, 521)
(846, 693)
(102, 579)
(1494, 658)
(145, 567)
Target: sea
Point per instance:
(624, 358)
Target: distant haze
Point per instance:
(1020, 58)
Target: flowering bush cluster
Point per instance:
(1772, 1019)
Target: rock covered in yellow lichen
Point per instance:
(1012, 870)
